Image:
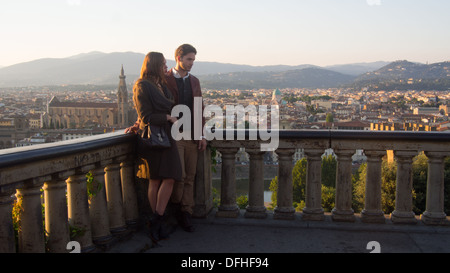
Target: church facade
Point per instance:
(62, 114)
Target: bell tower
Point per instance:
(122, 101)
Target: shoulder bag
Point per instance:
(153, 137)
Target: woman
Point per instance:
(153, 103)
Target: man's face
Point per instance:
(186, 62)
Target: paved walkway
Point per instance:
(241, 235)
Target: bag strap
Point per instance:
(147, 132)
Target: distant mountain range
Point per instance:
(89, 68)
(398, 75)
(310, 77)
(99, 68)
(404, 75)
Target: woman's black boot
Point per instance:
(165, 229)
(155, 226)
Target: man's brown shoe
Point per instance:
(186, 223)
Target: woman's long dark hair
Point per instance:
(152, 68)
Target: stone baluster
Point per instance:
(129, 193)
(343, 211)
(284, 209)
(117, 223)
(7, 243)
(31, 229)
(98, 208)
(203, 185)
(256, 208)
(228, 207)
(403, 212)
(372, 212)
(78, 206)
(56, 217)
(313, 206)
(434, 213)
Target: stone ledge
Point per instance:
(327, 223)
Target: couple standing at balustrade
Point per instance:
(171, 171)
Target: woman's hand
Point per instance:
(133, 129)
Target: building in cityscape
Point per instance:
(65, 114)
(122, 101)
(25, 122)
(12, 130)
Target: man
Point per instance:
(184, 88)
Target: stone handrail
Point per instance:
(60, 168)
(405, 145)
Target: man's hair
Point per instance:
(184, 49)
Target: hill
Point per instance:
(91, 68)
(404, 75)
(311, 77)
(356, 69)
(97, 68)
(103, 69)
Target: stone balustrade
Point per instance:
(106, 208)
(405, 145)
(96, 217)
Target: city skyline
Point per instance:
(250, 32)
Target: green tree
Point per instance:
(420, 173)
(273, 187)
(311, 109)
(299, 180)
(242, 201)
(299, 184)
(329, 164)
(388, 183)
(329, 118)
(359, 183)
(328, 198)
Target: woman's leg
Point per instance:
(153, 188)
(159, 193)
(165, 191)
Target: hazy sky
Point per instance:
(255, 32)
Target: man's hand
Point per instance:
(171, 119)
(202, 145)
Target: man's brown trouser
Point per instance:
(183, 192)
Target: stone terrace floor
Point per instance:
(242, 235)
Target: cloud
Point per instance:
(373, 2)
